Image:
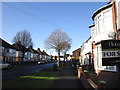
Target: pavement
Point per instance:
(68, 79)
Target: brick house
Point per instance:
(76, 54)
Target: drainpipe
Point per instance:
(116, 31)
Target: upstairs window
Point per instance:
(103, 22)
(107, 20)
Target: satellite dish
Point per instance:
(118, 33)
(112, 34)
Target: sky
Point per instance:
(43, 18)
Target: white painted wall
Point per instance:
(86, 48)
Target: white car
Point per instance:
(4, 65)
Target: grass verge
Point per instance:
(40, 79)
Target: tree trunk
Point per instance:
(23, 55)
(58, 61)
(64, 58)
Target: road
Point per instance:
(12, 73)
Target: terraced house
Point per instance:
(16, 53)
(7, 52)
(20, 51)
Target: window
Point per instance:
(13, 51)
(107, 20)
(99, 25)
(99, 57)
(99, 61)
(10, 51)
(106, 14)
(7, 50)
(103, 22)
(1, 49)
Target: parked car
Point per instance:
(41, 62)
(4, 65)
(46, 61)
(49, 60)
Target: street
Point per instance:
(12, 73)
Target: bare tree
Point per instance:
(57, 40)
(23, 38)
(66, 47)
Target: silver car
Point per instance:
(4, 65)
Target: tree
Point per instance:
(66, 47)
(58, 40)
(23, 38)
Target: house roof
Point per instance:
(32, 50)
(88, 39)
(3, 43)
(101, 9)
(19, 47)
(38, 50)
(44, 53)
(77, 50)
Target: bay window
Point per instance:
(103, 22)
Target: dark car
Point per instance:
(48, 60)
(41, 62)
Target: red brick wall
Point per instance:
(76, 53)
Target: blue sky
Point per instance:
(42, 18)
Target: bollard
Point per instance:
(86, 73)
(77, 66)
(79, 71)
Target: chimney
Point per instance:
(38, 49)
(31, 47)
